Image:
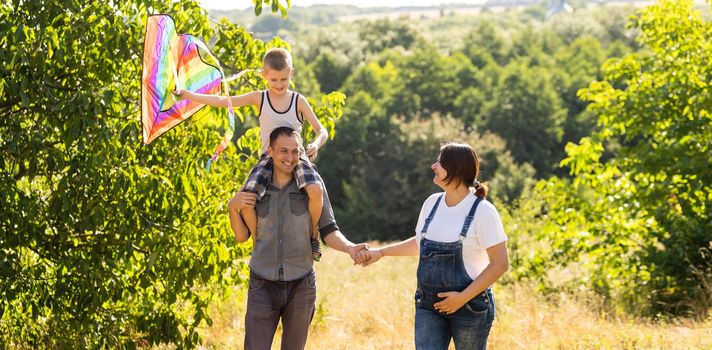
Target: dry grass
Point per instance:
(371, 308)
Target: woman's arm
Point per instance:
(499, 264)
(404, 248)
(253, 98)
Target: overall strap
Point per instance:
(430, 216)
(469, 218)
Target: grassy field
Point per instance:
(371, 308)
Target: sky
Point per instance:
(243, 4)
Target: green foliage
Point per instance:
(331, 69)
(389, 170)
(106, 242)
(384, 34)
(528, 114)
(638, 224)
(512, 84)
(426, 84)
(484, 44)
(274, 6)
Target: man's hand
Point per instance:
(355, 251)
(452, 302)
(242, 200)
(312, 151)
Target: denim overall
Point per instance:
(441, 269)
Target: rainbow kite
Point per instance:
(174, 61)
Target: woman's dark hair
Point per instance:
(462, 165)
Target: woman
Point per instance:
(462, 247)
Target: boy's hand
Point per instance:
(312, 151)
(242, 200)
(180, 93)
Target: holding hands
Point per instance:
(357, 253)
(404, 248)
(370, 256)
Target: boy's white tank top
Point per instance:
(271, 119)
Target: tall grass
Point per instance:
(372, 308)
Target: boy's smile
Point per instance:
(277, 80)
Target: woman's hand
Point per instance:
(372, 255)
(452, 302)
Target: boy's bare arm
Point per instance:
(240, 201)
(253, 98)
(322, 135)
(305, 109)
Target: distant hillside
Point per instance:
(320, 15)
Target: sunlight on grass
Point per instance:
(371, 308)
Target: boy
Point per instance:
(278, 107)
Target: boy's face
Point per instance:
(277, 80)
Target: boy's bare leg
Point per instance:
(250, 217)
(316, 202)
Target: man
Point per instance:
(282, 279)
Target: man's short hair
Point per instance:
(277, 59)
(283, 131)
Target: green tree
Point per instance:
(579, 65)
(428, 83)
(637, 225)
(106, 242)
(384, 34)
(528, 114)
(484, 44)
(331, 69)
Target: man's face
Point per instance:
(285, 153)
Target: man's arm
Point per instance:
(238, 226)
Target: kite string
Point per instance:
(231, 114)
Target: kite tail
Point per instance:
(228, 134)
(231, 119)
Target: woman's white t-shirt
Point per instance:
(485, 230)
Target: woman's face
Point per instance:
(440, 173)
